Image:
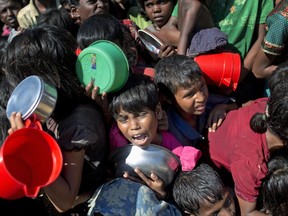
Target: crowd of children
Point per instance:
(232, 146)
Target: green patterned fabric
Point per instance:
(275, 41)
(238, 19)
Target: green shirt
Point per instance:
(238, 19)
(136, 17)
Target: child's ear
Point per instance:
(159, 111)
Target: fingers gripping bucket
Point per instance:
(29, 159)
(220, 69)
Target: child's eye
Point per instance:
(215, 213)
(122, 119)
(148, 5)
(141, 114)
(162, 2)
(228, 202)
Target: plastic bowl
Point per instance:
(104, 63)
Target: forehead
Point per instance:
(9, 4)
(157, 1)
(207, 209)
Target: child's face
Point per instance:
(88, 8)
(159, 11)
(8, 13)
(191, 101)
(140, 128)
(224, 207)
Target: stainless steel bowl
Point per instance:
(153, 158)
(32, 96)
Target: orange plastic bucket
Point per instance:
(220, 69)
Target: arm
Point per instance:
(63, 191)
(263, 64)
(190, 16)
(251, 55)
(248, 208)
(171, 32)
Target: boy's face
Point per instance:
(8, 12)
(191, 101)
(158, 11)
(140, 128)
(224, 207)
(88, 8)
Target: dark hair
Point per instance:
(60, 18)
(274, 186)
(276, 117)
(4, 126)
(278, 77)
(99, 27)
(70, 2)
(138, 94)
(49, 52)
(176, 71)
(197, 188)
(3, 48)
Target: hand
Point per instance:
(165, 51)
(154, 183)
(16, 122)
(216, 117)
(101, 100)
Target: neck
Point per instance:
(273, 141)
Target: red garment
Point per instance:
(241, 151)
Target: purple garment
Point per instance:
(206, 40)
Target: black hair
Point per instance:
(276, 116)
(49, 52)
(4, 126)
(196, 188)
(3, 48)
(139, 93)
(274, 186)
(278, 77)
(70, 2)
(60, 18)
(176, 71)
(99, 27)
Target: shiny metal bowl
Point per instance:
(153, 158)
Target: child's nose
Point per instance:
(156, 8)
(226, 212)
(100, 4)
(134, 124)
(201, 96)
(9, 12)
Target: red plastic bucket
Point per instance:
(29, 159)
(220, 69)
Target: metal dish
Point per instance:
(151, 42)
(153, 158)
(32, 96)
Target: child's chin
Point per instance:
(144, 145)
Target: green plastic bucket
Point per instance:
(104, 63)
